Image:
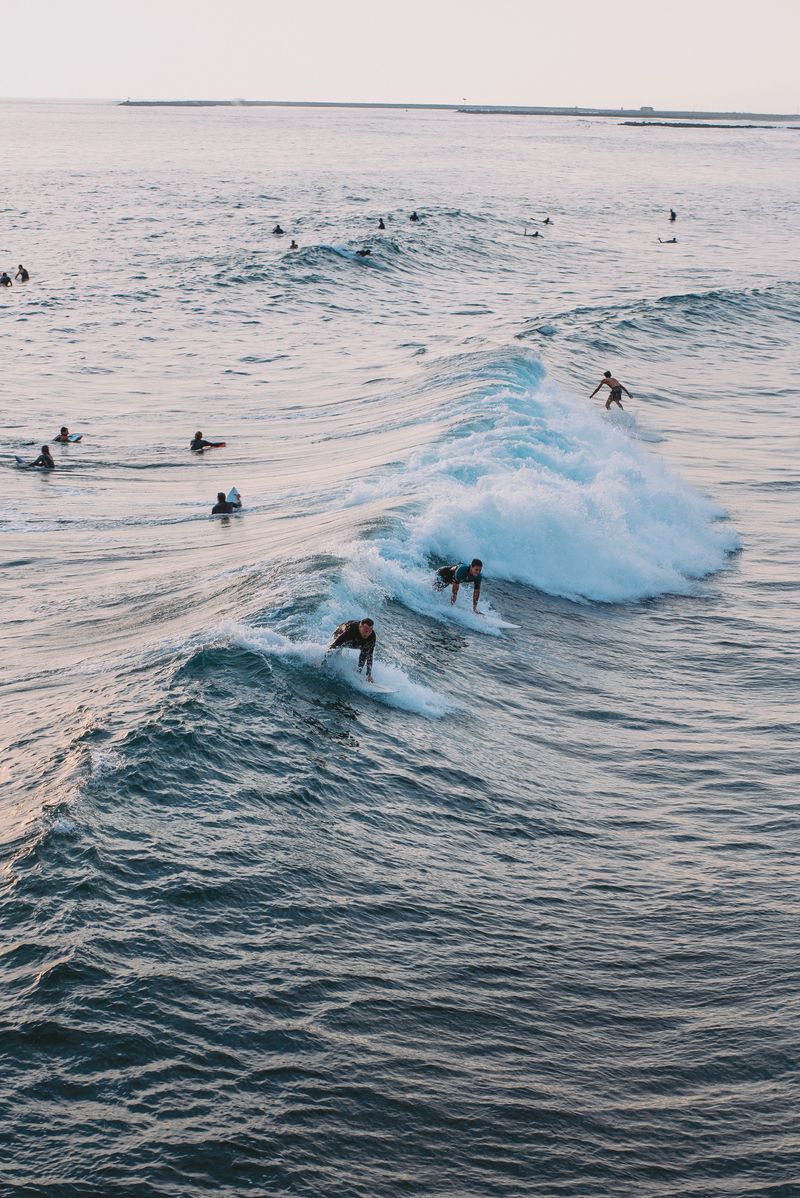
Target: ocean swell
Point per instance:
(548, 492)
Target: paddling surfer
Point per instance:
(198, 443)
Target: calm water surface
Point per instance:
(528, 924)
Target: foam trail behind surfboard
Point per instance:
(399, 691)
(549, 493)
(374, 566)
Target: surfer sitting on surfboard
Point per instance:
(45, 459)
(615, 387)
(356, 634)
(453, 576)
(223, 506)
(199, 443)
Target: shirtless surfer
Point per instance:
(615, 387)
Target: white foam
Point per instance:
(628, 423)
(342, 665)
(380, 570)
(548, 492)
(105, 761)
(63, 826)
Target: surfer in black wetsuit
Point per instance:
(414, 216)
(673, 214)
(454, 576)
(198, 443)
(278, 231)
(669, 241)
(45, 459)
(356, 634)
(615, 387)
(5, 280)
(223, 506)
(363, 253)
(294, 245)
(381, 225)
(22, 275)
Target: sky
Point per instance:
(696, 54)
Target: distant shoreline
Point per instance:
(645, 116)
(697, 125)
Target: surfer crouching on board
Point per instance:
(454, 576)
(615, 387)
(356, 634)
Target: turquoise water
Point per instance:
(528, 924)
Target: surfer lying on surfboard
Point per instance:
(356, 634)
(454, 576)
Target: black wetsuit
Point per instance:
(348, 636)
(225, 508)
(5, 281)
(22, 275)
(447, 575)
(200, 443)
(46, 461)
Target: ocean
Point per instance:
(527, 924)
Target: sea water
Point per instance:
(528, 923)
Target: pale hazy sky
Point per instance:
(714, 54)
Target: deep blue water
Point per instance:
(528, 924)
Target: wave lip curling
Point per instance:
(550, 493)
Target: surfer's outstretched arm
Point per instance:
(597, 388)
(454, 594)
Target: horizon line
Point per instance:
(465, 107)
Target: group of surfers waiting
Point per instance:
(199, 444)
(365, 253)
(21, 276)
(45, 458)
